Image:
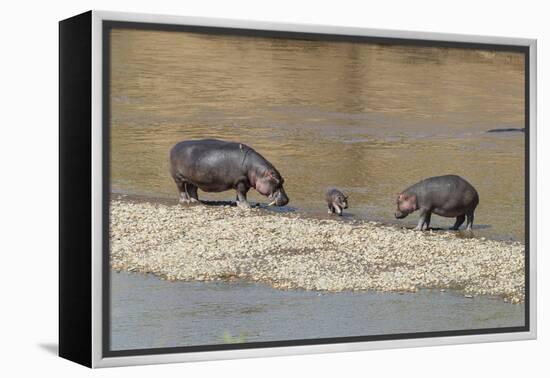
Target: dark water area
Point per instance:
(368, 119)
(147, 312)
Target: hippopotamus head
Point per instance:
(406, 204)
(338, 198)
(270, 184)
(342, 201)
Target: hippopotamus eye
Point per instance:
(273, 177)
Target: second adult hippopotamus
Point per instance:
(448, 196)
(216, 166)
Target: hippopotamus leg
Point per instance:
(428, 220)
(332, 208)
(184, 197)
(188, 192)
(425, 218)
(242, 190)
(459, 220)
(192, 192)
(470, 220)
(182, 188)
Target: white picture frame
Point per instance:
(95, 355)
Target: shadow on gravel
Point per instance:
(256, 205)
(461, 233)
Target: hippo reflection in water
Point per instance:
(216, 166)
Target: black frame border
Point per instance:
(75, 188)
(108, 25)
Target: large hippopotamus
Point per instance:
(216, 166)
(448, 196)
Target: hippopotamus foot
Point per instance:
(242, 189)
(332, 206)
(190, 201)
(184, 198)
(192, 193)
(334, 209)
(188, 192)
(243, 204)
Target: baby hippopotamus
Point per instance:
(448, 196)
(336, 201)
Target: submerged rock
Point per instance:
(507, 130)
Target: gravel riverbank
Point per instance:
(292, 251)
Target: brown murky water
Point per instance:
(368, 119)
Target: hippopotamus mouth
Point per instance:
(400, 214)
(278, 198)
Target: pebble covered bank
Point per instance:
(292, 251)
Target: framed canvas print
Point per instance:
(233, 189)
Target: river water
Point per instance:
(147, 312)
(368, 119)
